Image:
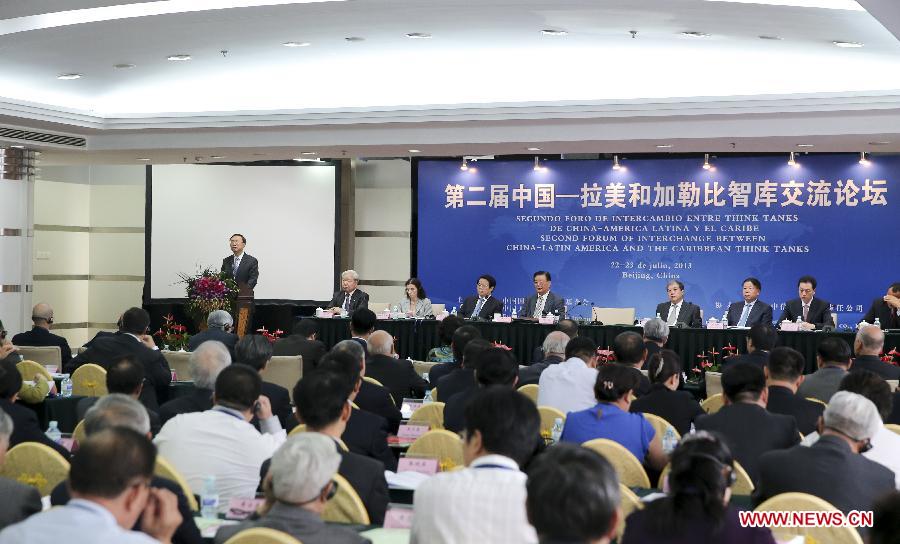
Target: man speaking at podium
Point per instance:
(240, 266)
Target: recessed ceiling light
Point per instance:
(69, 76)
(847, 45)
(553, 32)
(418, 35)
(308, 153)
(217, 156)
(179, 57)
(355, 39)
(296, 44)
(695, 34)
(145, 159)
(806, 145)
(259, 154)
(663, 146)
(774, 38)
(880, 143)
(532, 148)
(123, 66)
(415, 151)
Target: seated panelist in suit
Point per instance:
(886, 309)
(349, 298)
(243, 268)
(752, 310)
(813, 312)
(543, 302)
(677, 310)
(483, 305)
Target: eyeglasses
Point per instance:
(2, 335)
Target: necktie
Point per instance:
(742, 322)
(347, 302)
(805, 311)
(673, 314)
(539, 306)
(237, 264)
(478, 307)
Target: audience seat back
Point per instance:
(165, 469)
(431, 414)
(794, 502)
(548, 418)
(631, 472)
(713, 383)
(262, 535)
(180, 362)
(78, 435)
(42, 355)
(89, 381)
(345, 506)
(29, 369)
(713, 404)
(530, 391)
(743, 485)
(660, 425)
(37, 465)
(284, 370)
(443, 445)
(628, 503)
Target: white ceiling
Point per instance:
(487, 71)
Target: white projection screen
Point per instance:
(287, 214)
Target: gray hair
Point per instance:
(871, 337)
(352, 347)
(555, 342)
(380, 343)
(206, 362)
(853, 415)
(352, 274)
(219, 319)
(302, 466)
(116, 410)
(6, 427)
(656, 329)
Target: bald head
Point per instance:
(869, 340)
(42, 314)
(380, 343)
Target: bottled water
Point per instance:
(453, 311)
(799, 320)
(557, 430)
(53, 432)
(66, 386)
(669, 440)
(209, 499)
(878, 322)
(658, 316)
(427, 398)
(514, 314)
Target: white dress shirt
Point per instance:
(473, 505)
(78, 522)
(674, 310)
(568, 386)
(221, 443)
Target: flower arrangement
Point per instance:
(501, 345)
(891, 357)
(605, 356)
(172, 335)
(207, 291)
(271, 336)
(711, 360)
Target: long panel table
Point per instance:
(416, 337)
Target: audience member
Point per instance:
(493, 366)
(679, 408)
(221, 442)
(831, 469)
(119, 410)
(553, 350)
(8, 352)
(109, 481)
(696, 507)
(569, 385)
(656, 334)
(610, 418)
(631, 352)
(370, 397)
(19, 500)
(868, 346)
(299, 483)
(397, 375)
(784, 374)
(362, 323)
(323, 404)
(566, 326)
(462, 378)
(461, 336)
(40, 335)
(132, 341)
(573, 496)
(886, 520)
(206, 362)
(219, 327)
(444, 352)
(833, 360)
(126, 377)
(748, 429)
(25, 422)
(255, 351)
(303, 341)
(761, 339)
(486, 501)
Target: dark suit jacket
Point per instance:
(247, 272)
(818, 315)
(555, 305)
(359, 299)
(227, 338)
(41, 337)
(828, 469)
(759, 358)
(532, 374)
(806, 413)
(894, 416)
(377, 400)
(100, 334)
(26, 427)
(491, 306)
(749, 430)
(461, 379)
(366, 434)
(677, 407)
(310, 350)
(84, 404)
(186, 533)
(885, 314)
(876, 365)
(280, 399)
(652, 347)
(19, 502)
(455, 408)
(200, 400)
(760, 313)
(398, 375)
(108, 350)
(440, 370)
(643, 384)
(689, 314)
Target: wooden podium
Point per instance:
(243, 310)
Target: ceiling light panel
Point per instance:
(851, 5)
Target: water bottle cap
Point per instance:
(54, 424)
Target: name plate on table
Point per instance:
(411, 432)
(409, 406)
(789, 326)
(506, 319)
(398, 517)
(423, 465)
(242, 508)
(547, 320)
(383, 315)
(325, 314)
(720, 325)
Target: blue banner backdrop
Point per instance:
(614, 237)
